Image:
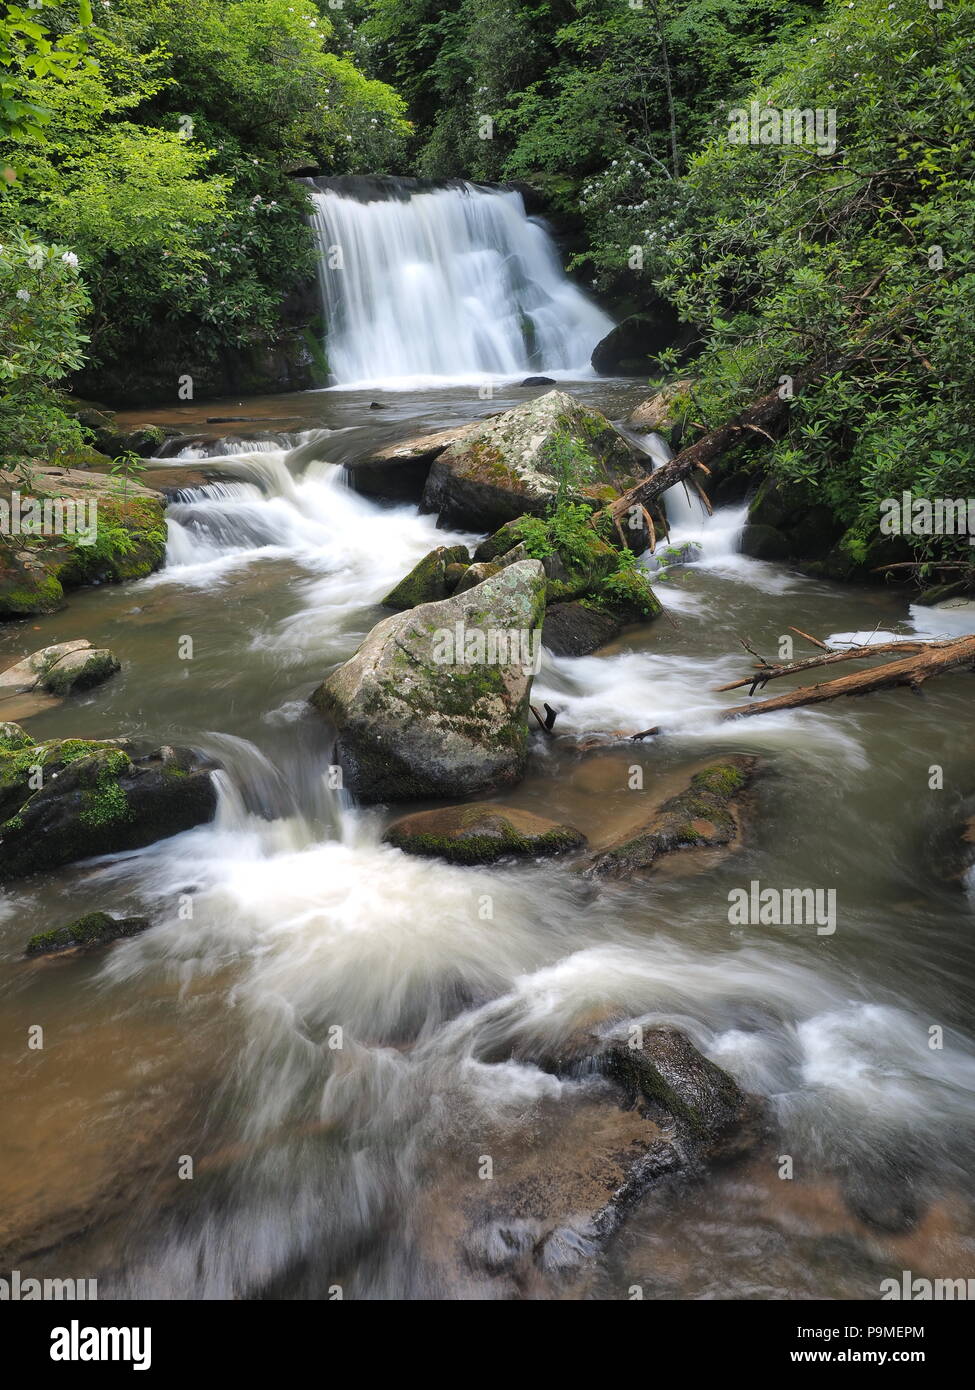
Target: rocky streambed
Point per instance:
(339, 875)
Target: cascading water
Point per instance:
(453, 283)
(319, 1164)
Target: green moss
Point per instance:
(106, 802)
(94, 929)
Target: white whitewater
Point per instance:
(452, 284)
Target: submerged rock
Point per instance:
(522, 460)
(627, 1119)
(480, 833)
(435, 701)
(705, 816)
(71, 799)
(60, 669)
(86, 933)
(427, 580)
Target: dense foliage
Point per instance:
(164, 162)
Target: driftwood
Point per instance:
(927, 659)
(770, 671)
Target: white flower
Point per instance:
(70, 259)
(23, 294)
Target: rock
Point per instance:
(94, 929)
(12, 737)
(27, 586)
(96, 529)
(412, 721)
(539, 381)
(573, 629)
(398, 472)
(95, 798)
(481, 832)
(705, 816)
(60, 670)
(453, 574)
(764, 543)
(630, 349)
(660, 411)
(939, 593)
(522, 460)
(476, 574)
(626, 1120)
(427, 580)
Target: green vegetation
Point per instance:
(154, 143)
(606, 576)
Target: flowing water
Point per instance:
(212, 1037)
(449, 284)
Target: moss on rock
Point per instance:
(480, 833)
(94, 929)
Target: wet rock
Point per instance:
(765, 543)
(86, 933)
(423, 710)
(523, 459)
(427, 580)
(538, 381)
(627, 1120)
(480, 833)
(398, 472)
(453, 574)
(573, 629)
(705, 816)
(660, 411)
(71, 799)
(631, 348)
(60, 670)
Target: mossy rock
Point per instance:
(86, 933)
(69, 799)
(418, 719)
(28, 587)
(701, 817)
(427, 581)
(525, 459)
(481, 833)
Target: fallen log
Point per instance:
(911, 671)
(770, 671)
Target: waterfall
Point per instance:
(452, 283)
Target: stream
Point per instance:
(211, 1037)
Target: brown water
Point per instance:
(210, 1037)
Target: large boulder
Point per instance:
(70, 799)
(481, 832)
(524, 459)
(435, 701)
(631, 348)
